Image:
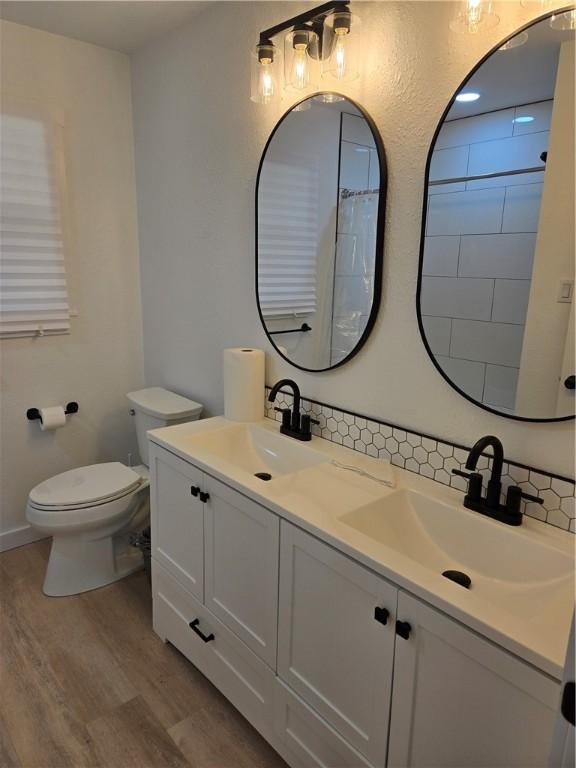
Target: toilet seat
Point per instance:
(85, 487)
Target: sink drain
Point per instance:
(459, 578)
(263, 476)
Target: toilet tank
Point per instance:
(156, 407)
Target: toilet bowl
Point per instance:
(90, 511)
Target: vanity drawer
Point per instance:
(233, 668)
(308, 740)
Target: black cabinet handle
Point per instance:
(194, 490)
(570, 382)
(403, 629)
(568, 705)
(194, 627)
(204, 496)
(381, 614)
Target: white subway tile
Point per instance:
(448, 163)
(441, 255)
(542, 114)
(497, 343)
(354, 166)
(470, 130)
(522, 208)
(357, 130)
(462, 297)
(511, 154)
(437, 330)
(509, 255)
(467, 375)
(510, 301)
(500, 386)
(465, 213)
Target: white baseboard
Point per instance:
(17, 537)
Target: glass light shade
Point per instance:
(264, 69)
(563, 21)
(515, 42)
(328, 98)
(301, 69)
(538, 5)
(473, 16)
(341, 52)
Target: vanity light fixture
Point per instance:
(473, 16)
(467, 97)
(321, 42)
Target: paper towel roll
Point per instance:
(52, 418)
(244, 384)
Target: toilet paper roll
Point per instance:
(52, 418)
(244, 384)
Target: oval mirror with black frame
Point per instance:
(496, 280)
(320, 200)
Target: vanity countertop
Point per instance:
(529, 618)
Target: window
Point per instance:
(287, 238)
(33, 290)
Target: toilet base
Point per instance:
(79, 564)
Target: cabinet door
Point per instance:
(461, 702)
(241, 586)
(177, 519)
(331, 649)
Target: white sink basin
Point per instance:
(254, 449)
(507, 568)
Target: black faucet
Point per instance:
(293, 424)
(510, 512)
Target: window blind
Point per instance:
(287, 238)
(33, 290)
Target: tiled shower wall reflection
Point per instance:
(356, 235)
(479, 248)
(434, 458)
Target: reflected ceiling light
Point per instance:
(323, 38)
(523, 119)
(466, 98)
(563, 21)
(514, 42)
(473, 16)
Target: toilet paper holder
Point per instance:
(33, 414)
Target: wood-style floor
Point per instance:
(84, 681)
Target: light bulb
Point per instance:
(266, 82)
(300, 67)
(340, 56)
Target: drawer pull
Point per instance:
(204, 496)
(381, 615)
(194, 627)
(194, 490)
(403, 629)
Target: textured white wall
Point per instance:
(198, 143)
(101, 359)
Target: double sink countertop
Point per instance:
(522, 578)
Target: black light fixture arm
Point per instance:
(314, 14)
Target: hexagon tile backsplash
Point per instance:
(434, 458)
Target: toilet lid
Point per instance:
(85, 485)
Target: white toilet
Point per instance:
(90, 511)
